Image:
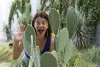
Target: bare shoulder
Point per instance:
(52, 35)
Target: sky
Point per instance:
(4, 13)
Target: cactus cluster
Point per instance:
(62, 43)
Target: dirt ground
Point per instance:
(4, 64)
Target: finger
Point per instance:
(20, 33)
(16, 30)
(22, 28)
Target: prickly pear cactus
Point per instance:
(27, 38)
(68, 51)
(56, 42)
(71, 21)
(31, 56)
(37, 57)
(63, 38)
(62, 42)
(54, 19)
(48, 60)
(65, 47)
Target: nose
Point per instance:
(40, 25)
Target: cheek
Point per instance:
(35, 26)
(46, 27)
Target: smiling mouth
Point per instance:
(40, 31)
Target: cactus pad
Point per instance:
(48, 60)
(27, 35)
(63, 39)
(71, 21)
(54, 19)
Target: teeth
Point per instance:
(40, 30)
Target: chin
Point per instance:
(41, 34)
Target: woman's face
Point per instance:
(41, 26)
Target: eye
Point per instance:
(44, 22)
(37, 22)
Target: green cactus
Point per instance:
(55, 54)
(27, 38)
(54, 19)
(29, 41)
(48, 60)
(63, 39)
(56, 42)
(62, 42)
(68, 51)
(26, 44)
(32, 52)
(71, 21)
(37, 57)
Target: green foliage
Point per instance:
(77, 60)
(5, 54)
(81, 39)
(17, 63)
(26, 17)
(60, 5)
(90, 10)
(7, 31)
(18, 7)
(13, 8)
(93, 55)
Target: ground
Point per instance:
(4, 64)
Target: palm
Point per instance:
(19, 34)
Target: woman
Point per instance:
(44, 36)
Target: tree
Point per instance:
(60, 5)
(18, 7)
(7, 31)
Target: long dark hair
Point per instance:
(45, 16)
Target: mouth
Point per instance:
(40, 31)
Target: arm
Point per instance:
(17, 49)
(18, 45)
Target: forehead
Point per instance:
(40, 18)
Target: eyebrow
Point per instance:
(42, 20)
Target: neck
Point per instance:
(40, 37)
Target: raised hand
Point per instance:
(18, 33)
